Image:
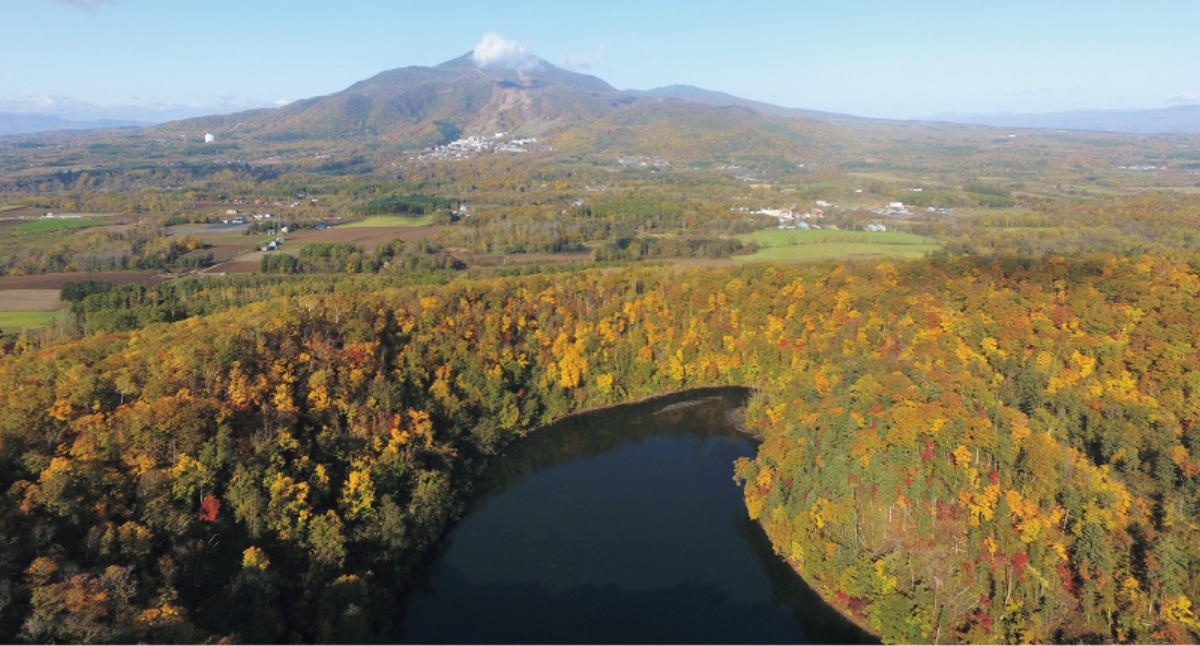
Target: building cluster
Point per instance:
(468, 147)
(237, 217)
(793, 218)
(642, 161)
(894, 209)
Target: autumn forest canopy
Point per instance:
(271, 369)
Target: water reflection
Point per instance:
(619, 526)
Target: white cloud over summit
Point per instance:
(495, 50)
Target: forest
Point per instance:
(954, 450)
(996, 442)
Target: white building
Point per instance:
(209, 137)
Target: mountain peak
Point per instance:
(484, 90)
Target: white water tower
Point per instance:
(209, 137)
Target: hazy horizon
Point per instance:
(146, 61)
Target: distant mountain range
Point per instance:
(21, 124)
(422, 106)
(1180, 119)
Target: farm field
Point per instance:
(42, 300)
(24, 320)
(368, 237)
(57, 224)
(55, 281)
(390, 221)
(236, 253)
(800, 245)
(22, 309)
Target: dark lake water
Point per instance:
(620, 526)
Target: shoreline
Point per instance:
(735, 417)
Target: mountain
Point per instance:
(1181, 119)
(22, 124)
(694, 94)
(428, 105)
(423, 106)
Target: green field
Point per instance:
(797, 244)
(9, 207)
(391, 221)
(24, 320)
(57, 224)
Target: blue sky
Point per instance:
(158, 59)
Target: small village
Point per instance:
(474, 145)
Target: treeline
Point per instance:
(346, 257)
(627, 249)
(100, 307)
(411, 204)
(144, 245)
(954, 450)
(1152, 223)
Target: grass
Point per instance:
(391, 221)
(798, 245)
(24, 320)
(57, 224)
(9, 207)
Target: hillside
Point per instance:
(695, 94)
(429, 105)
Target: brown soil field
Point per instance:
(30, 300)
(224, 252)
(367, 237)
(56, 281)
(237, 267)
(23, 212)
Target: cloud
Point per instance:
(1185, 97)
(576, 62)
(86, 5)
(495, 50)
(42, 104)
(134, 109)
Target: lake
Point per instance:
(618, 526)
